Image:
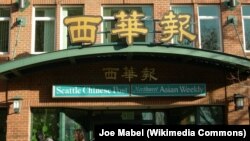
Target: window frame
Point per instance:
(6, 19)
(192, 21)
(110, 18)
(210, 18)
(62, 24)
(34, 27)
(243, 27)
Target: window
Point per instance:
(58, 124)
(184, 10)
(109, 23)
(198, 115)
(44, 30)
(181, 116)
(4, 29)
(68, 11)
(210, 115)
(209, 28)
(246, 26)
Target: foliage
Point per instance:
(45, 121)
(209, 39)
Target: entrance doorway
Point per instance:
(60, 123)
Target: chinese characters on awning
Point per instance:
(130, 73)
(82, 29)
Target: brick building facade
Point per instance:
(30, 69)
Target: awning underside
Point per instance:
(22, 66)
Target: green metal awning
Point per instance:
(15, 67)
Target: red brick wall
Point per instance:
(231, 43)
(3, 89)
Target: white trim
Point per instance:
(199, 27)
(210, 18)
(3, 53)
(4, 18)
(243, 26)
(61, 28)
(108, 17)
(34, 19)
(243, 30)
(102, 12)
(33, 31)
(44, 18)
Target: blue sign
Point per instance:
(168, 90)
(126, 90)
